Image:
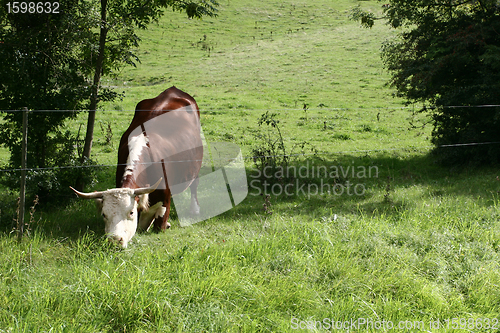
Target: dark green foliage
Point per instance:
(62, 168)
(448, 55)
(366, 19)
(474, 127)
(43, 70)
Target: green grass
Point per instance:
(281, 55)
(421, 243)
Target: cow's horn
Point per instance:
(144, 190)
(93, 195)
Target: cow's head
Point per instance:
(119, 209)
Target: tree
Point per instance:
(117, 37)
(446, 57)
(42, 70)
(39, 71)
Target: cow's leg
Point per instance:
(161, 221)
(195, 205)
(147, 216)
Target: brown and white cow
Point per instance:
(163, 145)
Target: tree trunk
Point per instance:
(89, 136)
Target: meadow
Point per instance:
(410, 246)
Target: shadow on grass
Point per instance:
(339, 190)
(398, 183)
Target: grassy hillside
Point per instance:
(263, 56)
(419, 244)
(272, 56)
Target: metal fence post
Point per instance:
(22, 196)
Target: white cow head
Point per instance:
(119, 209)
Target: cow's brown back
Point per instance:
(170, 99)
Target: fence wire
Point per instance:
(343, 152)
(269, 156)
(309, 108)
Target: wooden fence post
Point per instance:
(22, 196)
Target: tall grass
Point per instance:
(412, 259)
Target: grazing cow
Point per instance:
(162, 142)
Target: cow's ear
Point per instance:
(98, 205)
(142, 202)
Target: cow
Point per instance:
(162, 142)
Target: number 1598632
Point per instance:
(33, 7)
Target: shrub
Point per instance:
(62, 169)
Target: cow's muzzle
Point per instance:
(118, 240)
